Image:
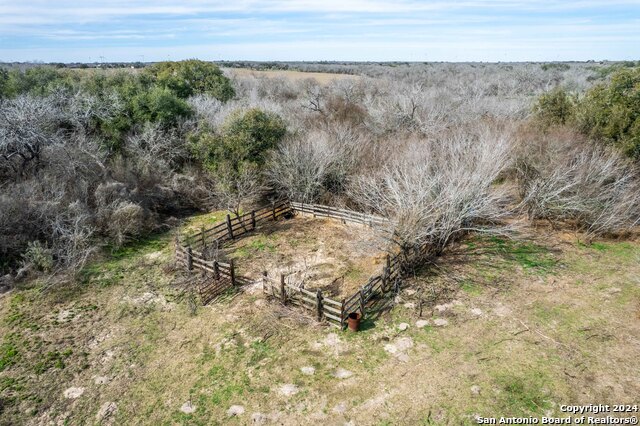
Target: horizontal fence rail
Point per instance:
(317, 210)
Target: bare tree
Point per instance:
(238, 190)
(593, 187)
(439, 189)
(157, 150)
(322, 160)
(314, 96)
(27, 125)
(297, 169)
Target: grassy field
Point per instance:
(496, 327)
(320, 77)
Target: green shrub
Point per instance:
(554, 107)
(4, 83)
(187, 78)
(37, 81)
(243, 142)
(560, 66)
(159, 105)
(611, 112)
(39, 255)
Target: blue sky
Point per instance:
(359, 30)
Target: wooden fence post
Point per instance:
(385, 279)
(189, 258)
(204, 244)
(361, 302)
(264, 282)
(319, 304)
(283, 294)
(342, 314)
(216, 269)
(253, 219)
(229, 229)
(233, 272)
(386, 273)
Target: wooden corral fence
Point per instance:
(194, 252)
(326, 308)
(234, 227)
(336, 311)
(318, 305)
(317, 210)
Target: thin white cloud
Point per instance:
(40, 11)
(318, 29)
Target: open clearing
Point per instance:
(320, 77)
(507, 327)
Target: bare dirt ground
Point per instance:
(320, 77)
(496, 327)
(315, 253)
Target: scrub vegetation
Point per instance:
(521, 179)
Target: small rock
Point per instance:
(64, 315)
(422, 323)
(410, 292)
(289, 389)
(391, 348)
(153, 256)
(441, 308)
(614, 290)
(440, 322)
(258, 419)
(501, 311)
(476, 311)
(308, 371)
(188, 407)
(101, 380)
(235, 410)
(404, 343)
(340, 408)
(332, 339)
(403, 326)
(475, 389)
(410, 305)
(107, 357)
(73, 393)
(106, 410)
(402, 357)
(341, 373)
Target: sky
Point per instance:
(312, 30)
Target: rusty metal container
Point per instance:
(353, 321)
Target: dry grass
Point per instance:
(320, 77)
(559, 324)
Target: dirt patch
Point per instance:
(320, 254)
